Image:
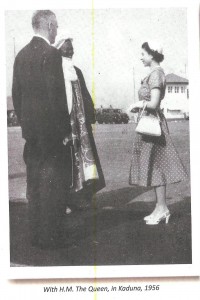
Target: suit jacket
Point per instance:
(38, 92)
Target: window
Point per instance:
(182, 89)
(176, 89)
(174, 111)
(170, 89)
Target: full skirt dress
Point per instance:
(155, 160)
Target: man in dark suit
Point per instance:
(40, 103)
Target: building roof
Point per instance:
(173, 78)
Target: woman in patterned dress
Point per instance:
(87, 174)
(155, 161)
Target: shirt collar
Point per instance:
(42, 37)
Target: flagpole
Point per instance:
(14, 47)
(133, 85)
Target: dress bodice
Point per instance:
(156, 79)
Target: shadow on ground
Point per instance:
(110, 232)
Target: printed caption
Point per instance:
(101, 289)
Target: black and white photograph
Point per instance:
(98, 104)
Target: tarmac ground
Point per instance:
(111, 231)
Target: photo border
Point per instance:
(112, 271)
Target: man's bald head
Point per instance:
(44, 23)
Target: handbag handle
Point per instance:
(144, 107)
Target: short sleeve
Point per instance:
(156, 80)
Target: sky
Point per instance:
(118, 35)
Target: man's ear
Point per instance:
(49, 26)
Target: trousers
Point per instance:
(49, 176)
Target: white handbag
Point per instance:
(148, 125)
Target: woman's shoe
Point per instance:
(147, 218)
(156, 220)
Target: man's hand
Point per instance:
(67, 140)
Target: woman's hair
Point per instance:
(158, 57)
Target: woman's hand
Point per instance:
(136, 106)
(152, 105)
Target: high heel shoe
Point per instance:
(156, 220)
(149, 217)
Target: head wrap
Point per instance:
(68, 69)
(61, 38)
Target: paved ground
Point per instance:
(112, 231)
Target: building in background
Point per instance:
(175, 105)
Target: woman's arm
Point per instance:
(150, 105)
(155, 99)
